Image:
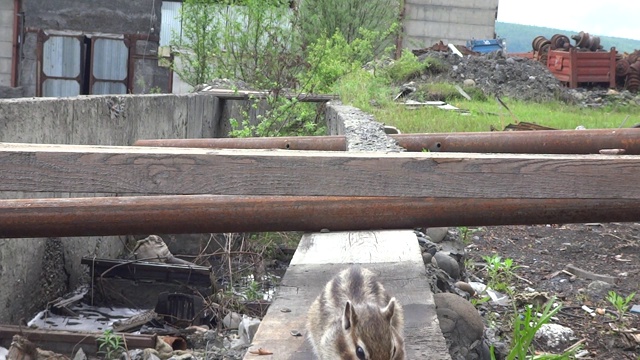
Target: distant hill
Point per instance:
(519, 37)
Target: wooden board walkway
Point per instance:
(183, 171)
(393, 255)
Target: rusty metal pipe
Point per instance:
(324, 143)
(218, 214)
(73, 339)
(532, 142)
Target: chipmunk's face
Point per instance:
(369, 334)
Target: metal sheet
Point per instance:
(60, 88)
(105, 87)
(110, 59)
(170, 22)
(61, 57)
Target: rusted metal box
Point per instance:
(574, 66)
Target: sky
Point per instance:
(619, 18)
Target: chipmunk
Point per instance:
(355, 319)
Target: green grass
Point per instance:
(374, 95)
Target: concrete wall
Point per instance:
(428, 21)
(6, 41)
(34, 271)
(93, 17)
(113, 16)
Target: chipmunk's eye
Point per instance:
(360, 353)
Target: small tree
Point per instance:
(197, 43)
(258, 44)
(320, 18)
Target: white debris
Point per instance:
(554, 334)
(90, 318)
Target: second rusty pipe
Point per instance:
(531, 142)
(324, 143)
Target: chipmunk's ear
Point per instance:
(349, 317)
(387, 311)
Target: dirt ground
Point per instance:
(611, 249)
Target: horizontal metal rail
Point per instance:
(220, 214)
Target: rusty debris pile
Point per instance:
(152, 305)
(584, 42)
(627, 66)
(442, 47)
(628, 70)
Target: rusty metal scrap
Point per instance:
(628, 71)
(73, 339)
(179, 214)
(442, 47)
(559, 41)
(586, 41)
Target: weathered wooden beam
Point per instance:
(393, 255)
(145, 215)
(179, 171)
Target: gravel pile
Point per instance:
(516, 78)
(521, 78)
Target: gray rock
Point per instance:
(80, 355)
(469, 82)
(461, 326)
(597, 290)
(437, 234)
(232, 320)
(555, 336)
(426, 258)
(445, 262)
(248, 328)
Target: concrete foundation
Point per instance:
(426, 22)
(35, 271)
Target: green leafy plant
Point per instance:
(110, 345)
(499, 272)
(466, 232)
(406, 68)
(525, 326)
(253, 291)
(480, 301)
(619, 302)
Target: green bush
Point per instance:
(406, 68)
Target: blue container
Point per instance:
(486, 46)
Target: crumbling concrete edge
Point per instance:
(362, 131)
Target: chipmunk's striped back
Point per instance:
(354, 318)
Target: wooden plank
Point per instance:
(249, 94)
(180, 171)
(393, 255)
